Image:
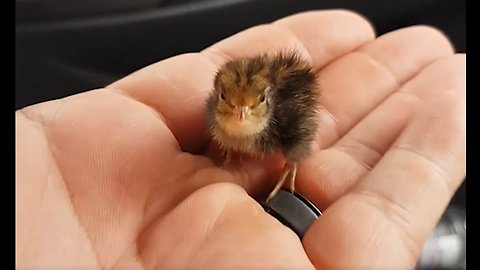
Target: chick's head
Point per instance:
(243, 97)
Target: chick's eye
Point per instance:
(262, 98)
(222, 96)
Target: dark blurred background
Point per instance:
(68, 46)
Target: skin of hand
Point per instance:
(124, 177)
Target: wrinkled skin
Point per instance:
(124, 178)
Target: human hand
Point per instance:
(123, 177)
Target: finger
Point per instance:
(358, 82)
(331, 172)
(221, 227)
(177, 87)
(384, 221)
(321, 36)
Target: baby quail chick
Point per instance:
(263, 104)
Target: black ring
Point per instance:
(293, 210)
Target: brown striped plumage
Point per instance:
(265, 103)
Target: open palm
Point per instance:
(124, 177)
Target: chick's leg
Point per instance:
(290, 168)
(293, 175)
(228, 158)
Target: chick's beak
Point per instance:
(243, 112)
